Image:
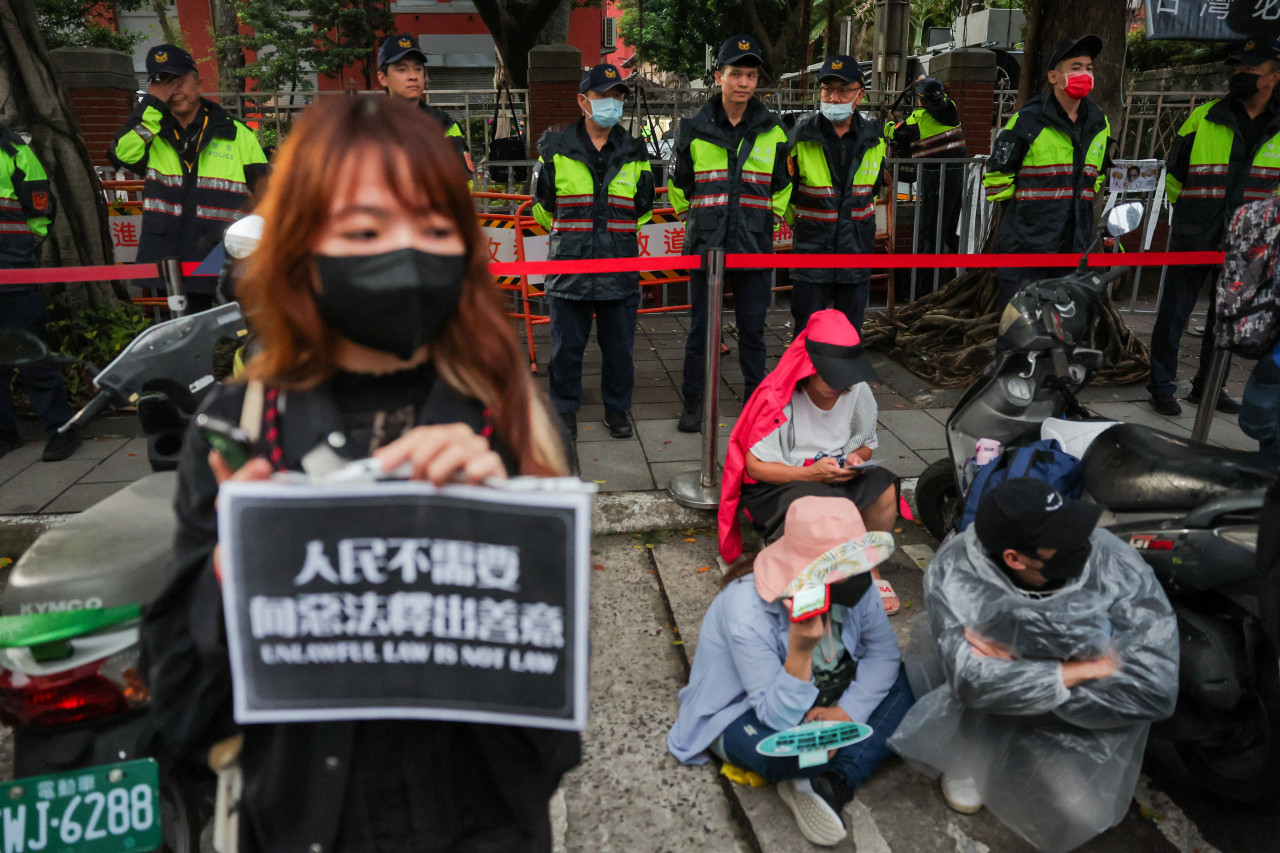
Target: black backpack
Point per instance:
(1247, 321)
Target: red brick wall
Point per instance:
(976, 104)
(100, 112)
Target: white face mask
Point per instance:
(836, 113)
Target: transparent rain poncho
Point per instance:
(1057, 766)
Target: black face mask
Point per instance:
(393, 302)
(849, 592)
(1243, 85)
(1067, 564)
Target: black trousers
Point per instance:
(750, 290)
(849, 299)
(25, 310)
(1181, 289)
(615, 333)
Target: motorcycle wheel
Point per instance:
(181, 814)
(1244, 770)
(938, 498)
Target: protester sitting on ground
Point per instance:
(381, 333)
(1050, 649)
(757, 671)
(812, 418)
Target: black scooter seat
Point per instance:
(1133, 468)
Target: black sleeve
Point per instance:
(644, 194)
(682, 165)
(254, 174)
(1180, 157)
(36, 197)
(903, 135)
(183, 640)
(1007, 153)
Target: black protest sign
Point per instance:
(1212, 20)
(399, 600)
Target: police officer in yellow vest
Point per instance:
(1048, 164)
(838, 163)
(730, 184)
(933, 132)
(27, 209)
(200, 166)
(402, 71)
(593, 189)
(1227, 153)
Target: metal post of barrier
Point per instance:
(1209, 394)
(700, 489)
(175, 288)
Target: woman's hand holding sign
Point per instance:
(442, 454)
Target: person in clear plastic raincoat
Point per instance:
(1049, 652)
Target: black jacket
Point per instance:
(297, 775)
(845, 234)
(730, 224)
(31, 198)
(611, 232)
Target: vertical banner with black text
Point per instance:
(400, 600)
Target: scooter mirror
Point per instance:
(243, 236)
(19, 348)
(1124, 218)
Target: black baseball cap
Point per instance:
(398, 46)
(1070, 48)
(840, 366)
(602, 78)
(738, 48)
(168, 60)
(1255, 51)
(842, 67)
(930, 88)
(1025, 513)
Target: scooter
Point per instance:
(70, 685)
(1191, 510)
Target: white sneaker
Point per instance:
(818, 822)
(961, 794)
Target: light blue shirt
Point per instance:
(739, 666)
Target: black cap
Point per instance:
(840, 366)
(398, 46)
(930, 88)
(1069, 48)
(738, 48)
(602, 78)
(1256, 51)
(1025, 513)
(168, 59)
(842, 67)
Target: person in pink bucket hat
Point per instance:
(809, 429)
(757, 671)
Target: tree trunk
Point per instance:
(32, 99)
(229, 56)
(516, 26)
(161, 8)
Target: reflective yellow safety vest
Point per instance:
(1211, 174)
(1047, 181)
(830, 218)
(189, 199)
(26, 204)
(730, 194)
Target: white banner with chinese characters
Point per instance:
(125, 230)
(397, 600)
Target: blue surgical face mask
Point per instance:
(606, 112)
(836, 113)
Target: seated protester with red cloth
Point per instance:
(811, 419)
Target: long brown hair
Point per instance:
(476, 352)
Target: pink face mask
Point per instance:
(1079, 84)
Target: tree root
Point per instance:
(948, 337)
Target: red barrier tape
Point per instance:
(126, 272)
(1117, 259)
(114, 272)
(677, 262)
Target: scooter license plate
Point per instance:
(106, 809)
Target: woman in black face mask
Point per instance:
(382, 333)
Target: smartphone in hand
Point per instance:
(810, 601)
(854, 462)
(232, 443)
